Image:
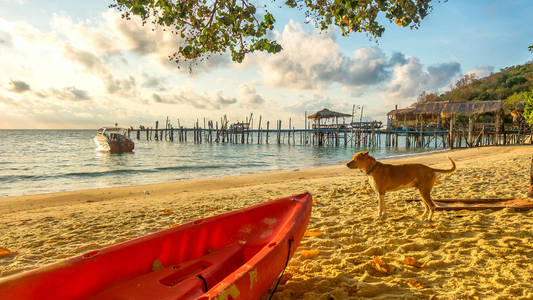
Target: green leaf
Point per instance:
(215, 26)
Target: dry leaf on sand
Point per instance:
(416, 284)
(6, 252)
(313, 233)
(167, 212)
(412, 262)
(309, 253)
(381, 267)
(173, 225)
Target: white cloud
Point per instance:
(315, 103)
(482, 71)
(111, 34)
(5, 39)
(409, 79)
(67, 93)
(80, 65)
(313, 61)
(18, 86)
(248, 96)
(190, 98)
(123, 86)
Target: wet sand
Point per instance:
(464, 254)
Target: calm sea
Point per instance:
(46, 161)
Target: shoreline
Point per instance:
(55, 196)
(231, 181)
(465, 254)
(51, 186)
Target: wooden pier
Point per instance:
(353, 135)
(424, 125)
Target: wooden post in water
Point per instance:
(451, 132)
(345, 132)
(498, 128)
(421, 136)
(259, 131)
(156, 126)
(251, 127)
(289, 132)
(268, 124)
(217, 139)
(196, 132)
(435, 137)
(305, 127)
(245, 132)
(372, 134)
(470, 130)
(166, 128)
(279, 132)
(199, 131)
(220, 134)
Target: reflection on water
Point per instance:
(119, 159)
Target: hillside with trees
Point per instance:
(513, 84)
(509, 84)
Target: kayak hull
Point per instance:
(233, 255)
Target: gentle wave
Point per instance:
(15, 178)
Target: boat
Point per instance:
(113, 139)
(234, 255)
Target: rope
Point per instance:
(205, 282)
(282, 272)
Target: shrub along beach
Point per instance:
(347, 252)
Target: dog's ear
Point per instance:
(364, 153)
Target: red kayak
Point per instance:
(235, 255)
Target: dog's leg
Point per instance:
(426, 208)
(431, 210)
(429, 206)
(381, 205)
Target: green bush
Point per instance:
(528, 108)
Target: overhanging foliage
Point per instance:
(210, 27)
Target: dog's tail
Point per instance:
(446, 171)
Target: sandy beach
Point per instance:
(462, 254)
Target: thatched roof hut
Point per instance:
(445, 109)
(401, 111)
(472, 107)
(327, 114)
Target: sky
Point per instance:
(78, 65)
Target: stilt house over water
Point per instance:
(476, 122)
(327, 119)
(438, 115)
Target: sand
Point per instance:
(465, 255)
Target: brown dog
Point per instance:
(385, 178)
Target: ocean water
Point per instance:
(47, 161)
